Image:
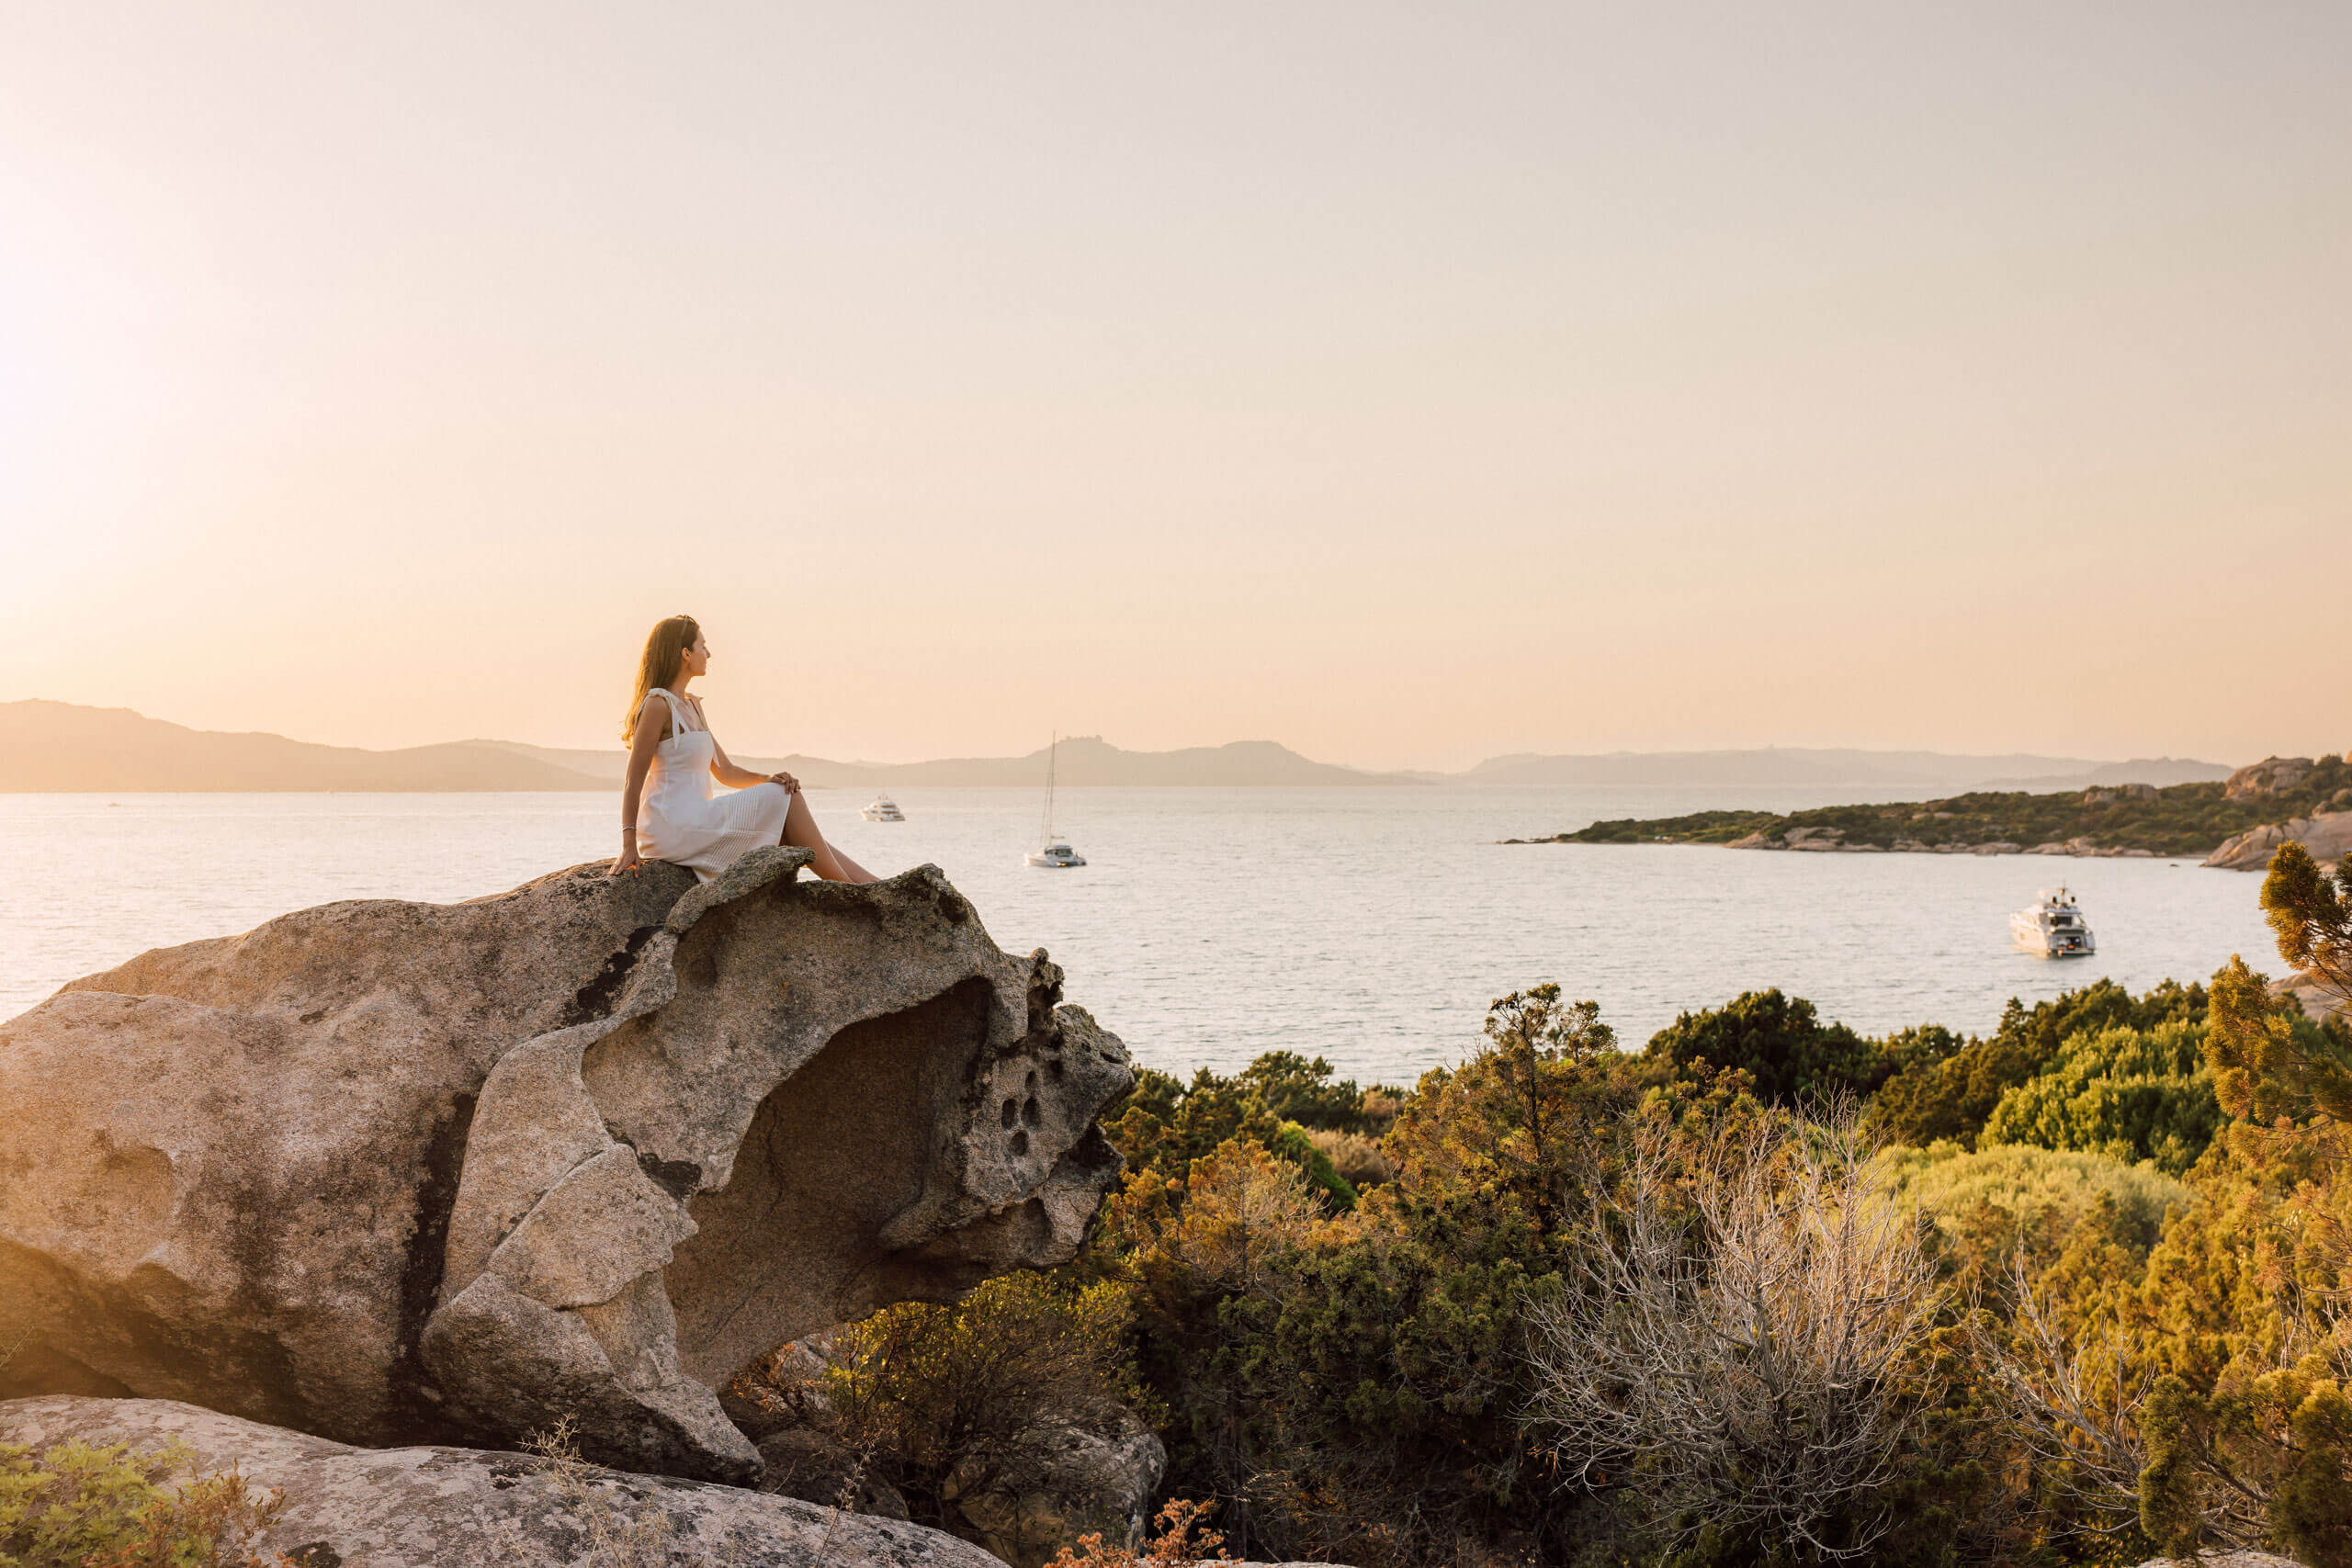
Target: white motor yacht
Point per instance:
(2053, 927)
(1051, 850)
(883, 810)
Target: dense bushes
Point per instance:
(2089, 1299)
(1952, 1092)
(2036, 1193)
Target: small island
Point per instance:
(2201, 821)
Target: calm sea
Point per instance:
(1372, 925)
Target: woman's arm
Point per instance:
(651, 720)
(724, 770)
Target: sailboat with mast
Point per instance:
(1051, 850)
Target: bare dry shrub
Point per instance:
(1731, 1351)
(1357, 1158)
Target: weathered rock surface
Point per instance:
(2328, 836)
(2260, 780)
(1089, 1467)
(2318, 1000)
(444, 1507)
(392, 1172)
(1092, 1471)
(2224, 1560)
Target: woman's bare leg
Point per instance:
(800, 832)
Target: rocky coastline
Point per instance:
(2233, 825)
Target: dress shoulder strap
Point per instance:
(676, 725)
(685, 717)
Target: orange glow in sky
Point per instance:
(1410, 384)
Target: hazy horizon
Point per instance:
(612, 750)
(1411, 387)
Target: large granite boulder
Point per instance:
(2260, 780)
(442, 1507)
(2327, 835)
(392, 1172)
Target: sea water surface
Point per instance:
(1371, 925)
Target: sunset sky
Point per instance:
(1406, 383)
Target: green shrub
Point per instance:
(1951, 1096)
(1280, 1102)
(1296, 1090)
(75, 1505)
(2131, 1094)
(2043, 1189)
(1792, 1058)
(929, 1391)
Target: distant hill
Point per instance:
(64, 747)
(2162, 771)
(2310, 798)
(1828, 768)
(47, 746)
(1085, 760)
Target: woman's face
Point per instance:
(696, 659)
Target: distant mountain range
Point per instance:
(1084, 760)
(64, 747)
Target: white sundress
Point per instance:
(678, 819)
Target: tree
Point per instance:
(1507, 1121)
(2268, 1061)
(1779, 1043)
(1296, 1090)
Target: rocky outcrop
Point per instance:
(2327, 835)
(1087, 1467)
(2318, 999)
(1091, 1471)
(2108, 795)
(391, 1172)
(444, 1507)
(2272, 775)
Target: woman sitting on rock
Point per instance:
(667, 809)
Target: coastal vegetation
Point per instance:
(2177, 819)
(78, 1505)
(2077, 1289)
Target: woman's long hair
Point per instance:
(665, 650)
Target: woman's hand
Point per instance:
(791, 784)
(629, 859)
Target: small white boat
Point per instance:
(1052, 852)
(2053, 927)
(883, 810)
